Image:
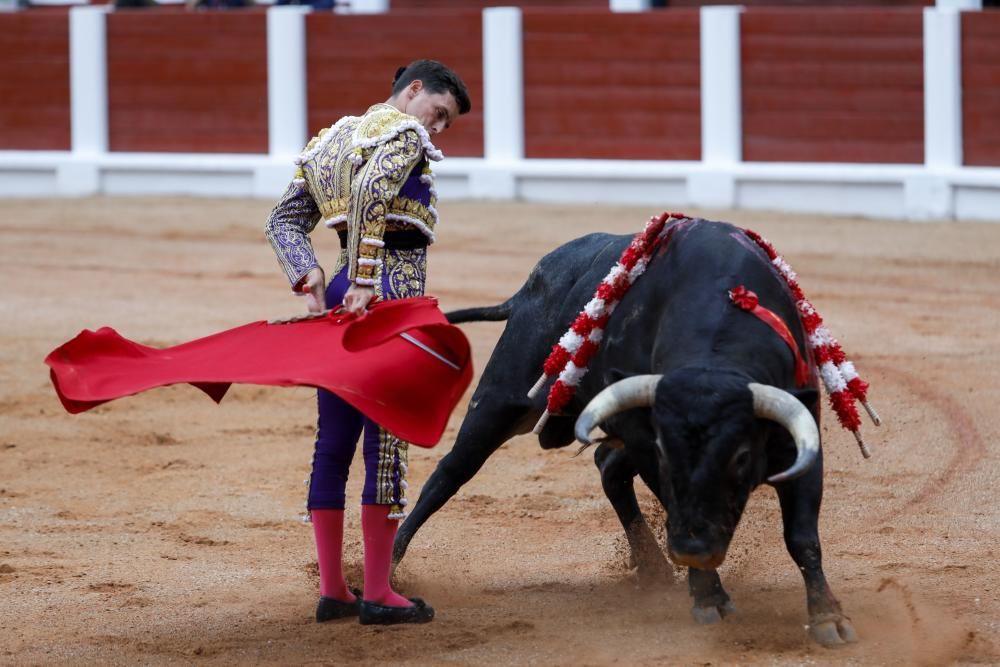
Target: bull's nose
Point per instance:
(699, 561)
(696, 553)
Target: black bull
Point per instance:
(691, 426)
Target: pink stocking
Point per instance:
(328, 526)
(379, 532)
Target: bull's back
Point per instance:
(541, 311)
(563, 281)
(679, 314)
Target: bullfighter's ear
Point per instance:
(809, 397)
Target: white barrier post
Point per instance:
(629, 5)
(721, 108)
(959, 5)
(362, 7)
(942, 88)
(929, 195)
(287, 111)
(503, 104)
(287, 104)
(88, 86)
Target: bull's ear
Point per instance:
(809, 397)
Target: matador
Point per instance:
(368, 178)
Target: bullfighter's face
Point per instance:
(435, 111)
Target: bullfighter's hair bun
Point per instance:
(399, 73)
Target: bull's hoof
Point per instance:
(833, 632)
(712, 614)
(653, 570)
(646, 558)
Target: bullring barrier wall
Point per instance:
(880, 112)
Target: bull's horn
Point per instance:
(781, 407)
(634, 392)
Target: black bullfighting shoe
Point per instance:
(330, 609)
(373, 613)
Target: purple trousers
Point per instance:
(340, 425)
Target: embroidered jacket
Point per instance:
(366, 174)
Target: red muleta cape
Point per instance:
(399, 383)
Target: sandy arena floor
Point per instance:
(163, 529)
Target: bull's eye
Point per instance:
(741, 461)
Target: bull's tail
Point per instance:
(481, 314)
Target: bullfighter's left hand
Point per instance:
(357, 298)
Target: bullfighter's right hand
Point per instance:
(313, 287)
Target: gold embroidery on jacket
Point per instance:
(355, 173)
(377, 183)
(402, 206)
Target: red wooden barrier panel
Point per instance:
(981, 88)
(604, 85)
(34, 81)
(833, 85)
(187, 82)
(352, 58)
